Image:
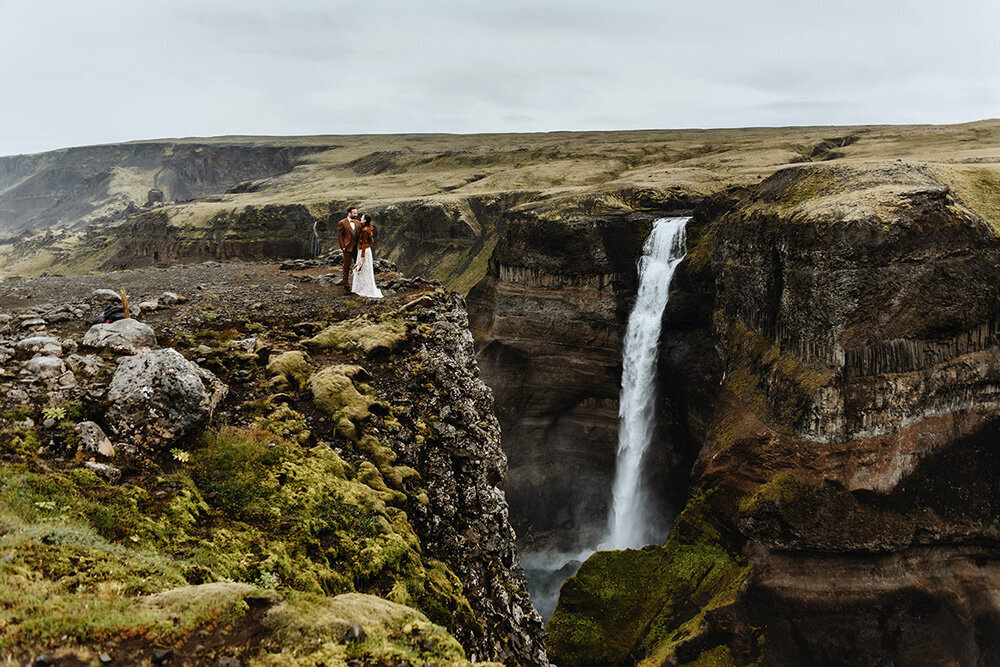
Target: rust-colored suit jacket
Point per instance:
(348, 240)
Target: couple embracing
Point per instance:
(357, 237)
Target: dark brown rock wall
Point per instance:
(548, 320)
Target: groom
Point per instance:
(347, 236)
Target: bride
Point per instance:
(363, 281)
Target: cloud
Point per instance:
(111, 70)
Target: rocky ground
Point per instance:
(256, 469)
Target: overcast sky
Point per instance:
(77, 73)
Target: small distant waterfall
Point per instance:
(630, 524)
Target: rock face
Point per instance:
(77, 183)
(548, 320)
(159, 396)
(843, 504)
(466, 520)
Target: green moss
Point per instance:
(313, 522)
(65, 582)
(311, 630)
(782, 488)
(335, 393)
(776, 385)
(720, 656)
(623, 604)
(980, 188)
(255, 508)
(286, 422)
(360, 334)
(19, 440)
(292, 368)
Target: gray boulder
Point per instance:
(89, 364)
(107, 296)
(170, 299)
(93, 440)
(61, 314)
(159, 396)
(45, 368)
(126, 335)
(108, 473)
(43, 345)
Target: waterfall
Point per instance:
(630, 521)
(630, 524)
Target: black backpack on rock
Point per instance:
(110, 314)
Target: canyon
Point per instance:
(828, 382)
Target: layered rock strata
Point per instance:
(548, 320)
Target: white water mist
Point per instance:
(630, 524)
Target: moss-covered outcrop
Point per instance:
(651, 605)
(334, 393)
(371, 337)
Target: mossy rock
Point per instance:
(247, 507)
(640, 605)
(382, 455)
(360, 334)
(222, 598)
(335, 393)
(369, 475)
(293, 367)
(285, 422)
(313, 632)
(345, 428)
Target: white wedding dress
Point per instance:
(363, 278)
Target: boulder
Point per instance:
(107, 296)
(171, 298)
(110, 474)
(159, 396)
(45, 368)
(61, 314)
(93, 440)
(126, 335)
(66, 381)
(88, 363)
(38, 345)
(150, 305)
